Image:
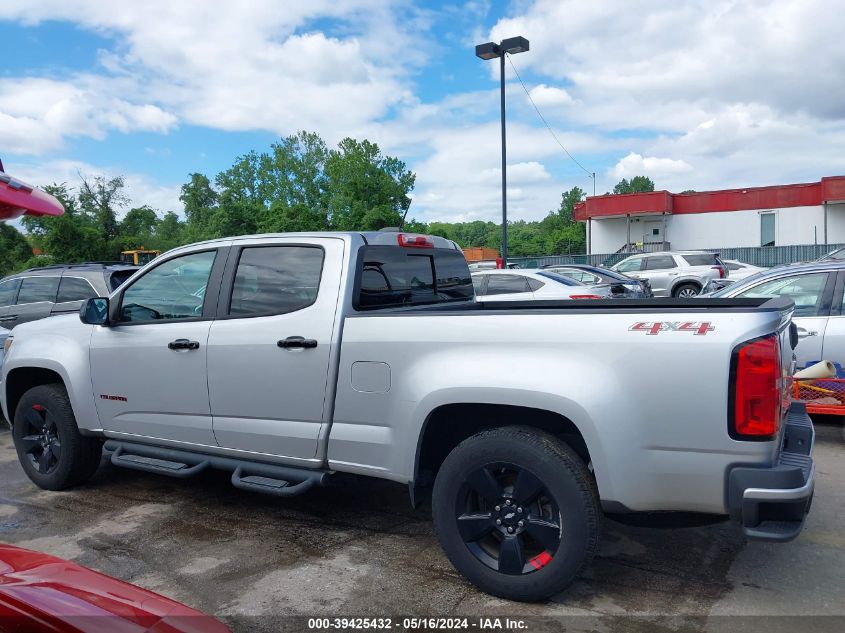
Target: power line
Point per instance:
(543, 119)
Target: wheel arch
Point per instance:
(22, 379)
(685, 280)
(448, 425)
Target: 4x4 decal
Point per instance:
(698, 328)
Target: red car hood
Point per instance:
(39, 592)
(18, 198)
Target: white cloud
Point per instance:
(221, 64)
(549, 96)
(37, 114)
(720, 94)
(637, 165)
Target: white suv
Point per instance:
(680, 274)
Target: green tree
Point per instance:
(169, 232)
(200, 202)
(366, 190)
(138, 226)
(14, 249)
(638, 184)
(100, 198)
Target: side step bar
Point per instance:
(274, 479)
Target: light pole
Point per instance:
(491, 50)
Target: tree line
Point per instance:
(298, 184)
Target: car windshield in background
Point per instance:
(566, 281)
(748, 281)
(392, 277)
(702, 259)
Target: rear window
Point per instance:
(118, 277)
(561, 279)
(702, 259)
(390, 276)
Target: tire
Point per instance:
(686, 291)
(51, 450)
(536, 568)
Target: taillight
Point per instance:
(756, 402)
(721, 271)
(586, 297)
(415, 241)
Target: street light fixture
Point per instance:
(488, 51)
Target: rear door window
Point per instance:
(660, 262)
(74, 289)
(276, 280)
(630, 265)
(38, 289)
(807, 291)
(392, 277)
(507, 284)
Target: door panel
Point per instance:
(266, 398)
(145, 388)
(811, 338)
(144, 382)
(661, 271)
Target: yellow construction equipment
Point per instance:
(138, 256)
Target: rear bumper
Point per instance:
(772, 503)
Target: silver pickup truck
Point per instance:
(294, 360)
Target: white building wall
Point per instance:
(608, 235)
(725, 229)
(836, 223)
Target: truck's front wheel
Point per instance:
(51, 449)
(516, 512)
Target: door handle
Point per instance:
(297, 342)
(802, 333)
(6, 319)
(183, 343)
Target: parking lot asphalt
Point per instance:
(253, 560)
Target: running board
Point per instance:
(274, 479)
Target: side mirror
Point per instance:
(95, 311)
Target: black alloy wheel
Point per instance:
(40, 441)
(51, 450)
(508, 519)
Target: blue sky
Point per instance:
(696, 95)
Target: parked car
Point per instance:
(41, 292)
(488, 264)
(837, 254)
(674, 274)
(529, 284)
(293, 359)
(738, 271)
(817, 290)
(483, 265)
(621, 286)
(4, 334)
(40, 593)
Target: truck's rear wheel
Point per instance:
(51, 450)
(516, 512)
